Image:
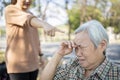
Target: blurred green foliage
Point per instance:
(106, 11)
(1, 56)
(91, 13)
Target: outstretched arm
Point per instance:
(49, 29)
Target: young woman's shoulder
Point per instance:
(10, 7)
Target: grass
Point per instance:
(1, 56)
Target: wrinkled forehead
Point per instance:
(81, 38)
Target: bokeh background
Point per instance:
(67, 15)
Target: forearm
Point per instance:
(50, 69)
(49, 29)
(35, 22)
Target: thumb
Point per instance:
(58, 30)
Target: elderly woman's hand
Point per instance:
(66, 47)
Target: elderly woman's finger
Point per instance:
(73, 44)
(69, 44)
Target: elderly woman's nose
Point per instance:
(79, 53)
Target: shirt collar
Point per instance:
(103, 69)
(80, 69)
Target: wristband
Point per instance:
(41, 54)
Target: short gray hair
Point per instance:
(95, 30)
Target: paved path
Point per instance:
(113, 53)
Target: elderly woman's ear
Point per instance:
(103, 45)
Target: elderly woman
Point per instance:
(23, 46)
(90, 43)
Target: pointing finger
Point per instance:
(58, 30)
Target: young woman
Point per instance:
(23, 46)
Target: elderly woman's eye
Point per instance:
(76, 49)
(79, 46)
